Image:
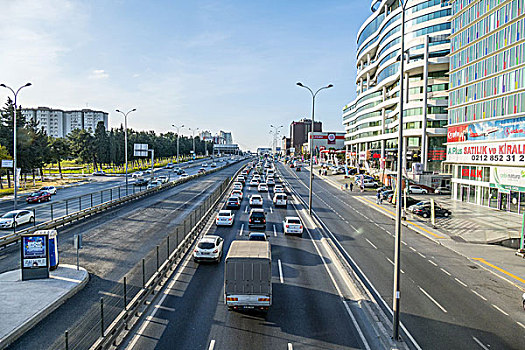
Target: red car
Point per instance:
(37, 197)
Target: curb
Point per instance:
(36, 318)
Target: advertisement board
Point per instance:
(507, 153)
(35, 256)
(512, 179)
(488, 130)
(331, 139)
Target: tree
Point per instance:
(4, 155)
(83, 146)
(59, 150)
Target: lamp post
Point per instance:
(399, 184)
(126, 141)
(276, 130)
(311, 142)
(14, 141)
(193, 137)
(178, 129)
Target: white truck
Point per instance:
(248, 276)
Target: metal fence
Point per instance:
(110, 315)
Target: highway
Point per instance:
(307, 312)
(114, 241)
(447, 301)
(57, 206)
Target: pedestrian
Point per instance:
(362, 188)
(346, 186)
(351, 187)
(378, 198)
(319, 172)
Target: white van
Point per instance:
(280, 199)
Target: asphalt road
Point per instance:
(91, 193)
(114, 242)
(447, 302)
(307, 312)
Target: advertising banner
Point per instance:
(488, 130)
(35, 256)
(512, 179)
(507, 153)
(331, 139)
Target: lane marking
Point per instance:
(483, 261)
(461, 282)
(246, 209)
(445, 271)
(480, 343)
(520, 324)
(421, 255)
(271, 210)
(274, 231)
(290, 347)
(280, 270)
(242, 228)
(212, 345)
(500, 310)
(412, 249)
(405, 243)
(432, 299)
(372, 244)
(394, 265)
(433, 263)
(479, 295)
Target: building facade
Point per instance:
(486, 132)
(59, 123)
(299, 132)
(371, 120)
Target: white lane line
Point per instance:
(274, 231)
(372, 244)
(246, 209)
(461, 282)
(432, 299)
(480, 343)
(271, 210)
(433, 263)
(290, 346)
(412, 249)
(242, 228)
(212, 345)
(280, 270)
(500, 310)
(520, 324)
(421, 255)
(404, 243)
(479, 295)
(269, 198)
(445, 271)
(394, 264)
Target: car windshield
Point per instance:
(206, 245)
(9, 215)
(44, 188)
(34, 194)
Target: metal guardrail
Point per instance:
(103, 323)
(94, 209)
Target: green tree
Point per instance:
(83, 146)
(59, 150)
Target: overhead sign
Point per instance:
(507, 153)
(35, 256)
(7, 163)
(140, 149)
(488, 130)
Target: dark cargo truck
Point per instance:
(248, 276)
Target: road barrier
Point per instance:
(109, 198)
(103, 323)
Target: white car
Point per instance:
(416, 190)
(156, 183)
(183, 175)
(237, 186)
(50, 189)
(16, 218)
(237, 193)
(278, 189)
(270, 181)
(292, 225)
(254, 183)
(137, 174)
(256, 200)
(280, 200)
(262, 187)
(225, 217)
(209, 248)
(163, 179)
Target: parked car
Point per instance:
(262, 187)
(50, 189)
(38, 196)
(367, 183)
(425, 211)
(257, 236)
(209, 248)
(416, 190)
(410, 201)
(417, 205)
(257, 218)
(233, 203)
(225, 217)
(442, 190)
(99, 173)
(280, 200)
(137, 174)
(292, 225)
(16, 218)
(256, 200)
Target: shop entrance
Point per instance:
(465, 193)
(503, 201)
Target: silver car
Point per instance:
(16, 218)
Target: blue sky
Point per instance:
(228, 64)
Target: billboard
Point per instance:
(507, 153)
(502, 129)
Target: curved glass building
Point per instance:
(371, 120)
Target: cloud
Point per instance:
(99, 74)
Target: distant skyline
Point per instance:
(213, 65)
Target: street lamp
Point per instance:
(276, 130)
(312, 143)
(126, 141)
(14, 140)
(193, 136)
(178, 129)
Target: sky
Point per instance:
(215, 65)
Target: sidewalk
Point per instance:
(470, 231)
(25, 303)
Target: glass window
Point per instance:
(493, 202)
(485, 196)
(472, 196)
